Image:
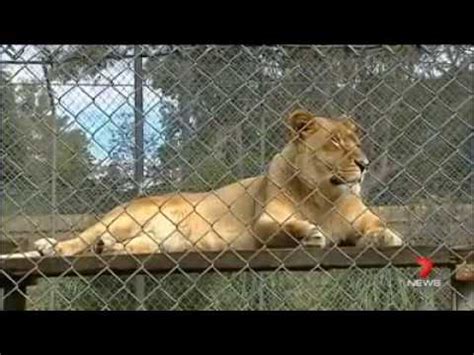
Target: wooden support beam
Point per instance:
(302, 259)
(463, 284)
(12, 294)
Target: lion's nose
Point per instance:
(363, 163)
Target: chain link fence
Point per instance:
(85, 128)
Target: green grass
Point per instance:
(350, 289)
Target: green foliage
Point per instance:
(28, 136)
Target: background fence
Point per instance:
(87, 127)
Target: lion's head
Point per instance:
(327, 151)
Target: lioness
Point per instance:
(309, 194)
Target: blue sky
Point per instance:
(98, 111)
(94, 105)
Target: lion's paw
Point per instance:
(383, 237)
(46, 246)
(315, 237)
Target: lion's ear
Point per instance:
(301, 122)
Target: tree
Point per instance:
(27, 146)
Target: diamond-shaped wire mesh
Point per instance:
(72, 149)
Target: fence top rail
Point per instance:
(299, 259)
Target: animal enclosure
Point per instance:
(86, 128)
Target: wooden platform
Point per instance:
(16, 274)
(303, 259)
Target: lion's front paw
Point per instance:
(382, 237)
(46, 246)
(394, 240)
(315, 237)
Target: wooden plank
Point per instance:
(271, 259)
(7, 246)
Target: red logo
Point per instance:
(426, 266)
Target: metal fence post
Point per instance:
(54, 209)
(2, 150)
(138, 151)
(54, 137)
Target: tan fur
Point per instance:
(310, 194)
